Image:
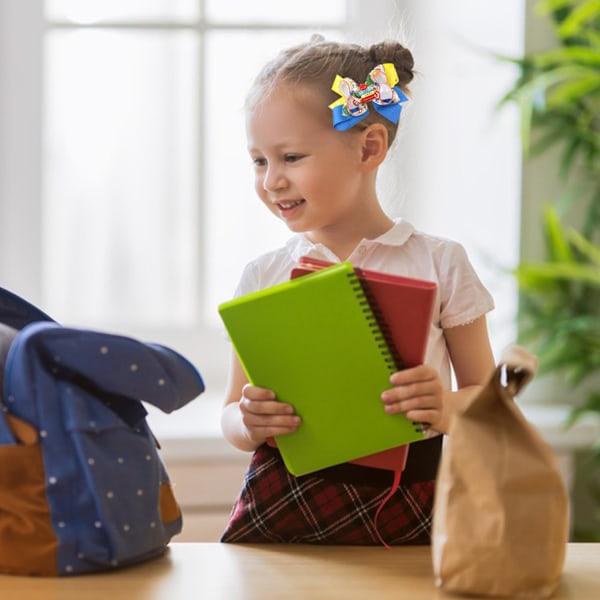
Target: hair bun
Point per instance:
(390, 51)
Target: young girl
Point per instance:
(315, 169)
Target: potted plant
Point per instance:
(558, 92)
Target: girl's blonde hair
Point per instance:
(314, 65)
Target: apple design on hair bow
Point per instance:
(380, 89)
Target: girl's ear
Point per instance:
(374, 146)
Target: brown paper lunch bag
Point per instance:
(501, 512)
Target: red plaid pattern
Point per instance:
(275, 506)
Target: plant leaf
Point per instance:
(571, 91)
(580, 55)
(556, 237)
(581, 14)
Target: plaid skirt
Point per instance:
(345, 505)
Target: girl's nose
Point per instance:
(274, 180)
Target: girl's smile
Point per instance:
(286, 207)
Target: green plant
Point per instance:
(558, 92)
(560, 307)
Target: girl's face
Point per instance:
(307, 173)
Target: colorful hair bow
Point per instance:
(380, 89)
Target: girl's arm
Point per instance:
(418, 392)
(252, 414)
(473, 362)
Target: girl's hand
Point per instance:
(263, 416)
(418, 393)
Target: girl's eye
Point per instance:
(259, 162)
(292, 157)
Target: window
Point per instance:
(145, 157)
(146, 188)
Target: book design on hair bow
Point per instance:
(380, 89)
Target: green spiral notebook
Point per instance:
(315, 342)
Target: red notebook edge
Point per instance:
(309, 262)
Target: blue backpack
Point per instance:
(82, 486)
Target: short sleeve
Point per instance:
(464, 298)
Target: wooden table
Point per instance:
(214, 571)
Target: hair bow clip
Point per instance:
(379, 89)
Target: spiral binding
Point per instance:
(375, 320)
(380, 330)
